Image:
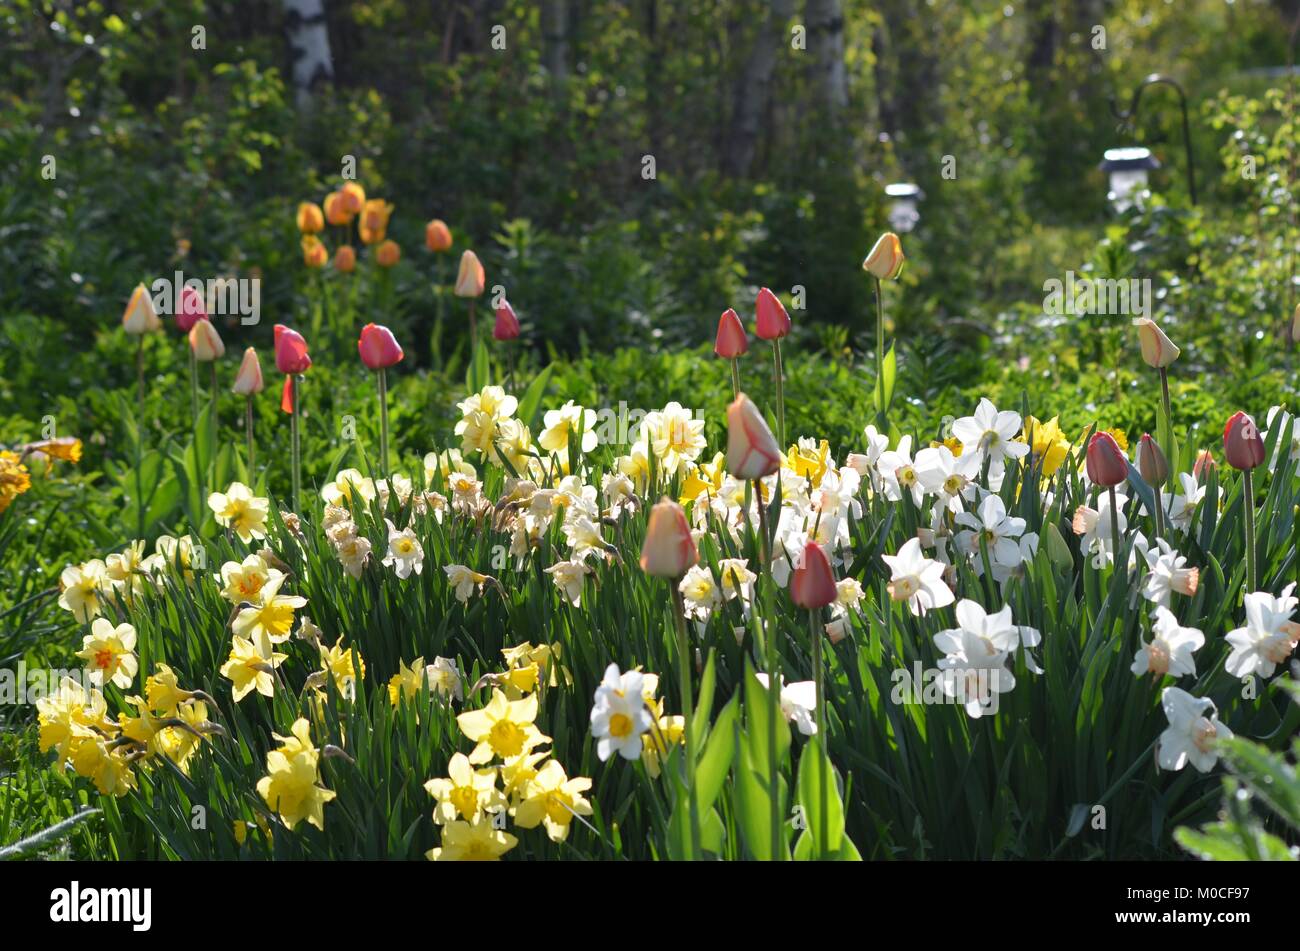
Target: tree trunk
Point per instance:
(309, 41)
(555, 40)
(825, 21)
(754, 88)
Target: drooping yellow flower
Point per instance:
(68, 716)
(270, 622)
(108, 768)
(554, 799)
(14, 478)
(66, 448)
(518, 771)
(240, 511)
(109, 653)
(407, 681)
(163, 693)
(291, 784)
(704, 477)
(472, 842)
(504, 728)
(466, 793)
(659, 739)
(337, 661)
(249, 669)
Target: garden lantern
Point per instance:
(903, 198)
(1127, 170)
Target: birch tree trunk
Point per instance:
(754, 88)
(309, 42)
(825, 20)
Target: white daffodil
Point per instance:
(1269, 637)
(798, 703)
(620, 716)
(949, 478)
(989, 527)
(866, 464)
(837, 493)
(569, 576)
(917, 580)
(1166, 574)
(1098, 534)
(899, 473)
(1170, 649)
(737, 580)
(349, 485)
(1194, 727)
(991, 436)
(464, 580)
(972, 670)
(405, 553)
(583, 536)
(673, 436)
(1181, 506)
(565, 421)
(700, 596)
(444, 679)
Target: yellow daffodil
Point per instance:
(271, 621)
(337, 661)
(504, 728)
(407, 681)
(466, 793)
(472, 842)
(240, 511)
(83, 589)
(162, 691)
(68, 716)
(808, 460)
(554, 799)
(109, 653)
(1047, 442)
(244, 581)
(108, 768)
(249, 669)
(518, 771)
(665, 734)
(290, 786)
(704, 477)
(14, 478)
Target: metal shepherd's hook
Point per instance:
(1129, 117)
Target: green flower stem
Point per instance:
(735, 378)
(1114, 525)
(295, 448)
(778, 373)
(882, 422)
(382, 379)
(248, 432)
(473, 330)
(816, 634)
(688, 709)
(194, 387)
(773, 678)
(1248, 486)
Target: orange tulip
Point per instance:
(374, 220)
(437, 236)
(345, 259)
(310, 219)
(338, 209)
(355, 197)
(388, 253)
(314, 254)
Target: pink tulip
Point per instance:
(191, 309)
(752, 452)
(290, 351)
(507, 325)
(1106, 463)
(249, 378)
(731, 341)
(1242, 444)
(669, 548)
(378, 347)
(206, 342)
(813, 583)
(471, 279)
(771, 321)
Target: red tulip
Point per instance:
(191, 309)
(290, 351)
(1107, 464)
(1242, 444)
(731, 341)
(771, 321)
(813, 583)
(507, 325)
(378, 347)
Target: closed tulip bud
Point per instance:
(731, 341)
(1203, 464)
(507, 324)
(290, 351)
(752, 452)
(140, 316)
(1157, 350)
(310, 218)
(1107, 465)
(191, 309)
(771, 322)
(314, 253)
(206, 342)
(1151, 462)
(812, 585)
(345, 259)
(249, 378)
(388, 253)
(437, 236)
(338, 209)
(378, 347)
(471, 279)
(1242, 444)
(354, 195)
(1057, 550)
(373, 225)
(669, 549)
(886, 258)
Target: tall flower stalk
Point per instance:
(771, 322)
(292, 359)
(883, 263)
(1244, 448)
(380, 350)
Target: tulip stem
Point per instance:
(1114, 524)
(139, 433)
(194, 387)
(383, 422)
(688, 704)
(248, 432)
(735, 378)
(1167, 437)
(510, 368)
(1248, 487)
(882, 422)
(779, 373)
(473, 331)
(773, 678)
(815, 634)
(139, 370)
(294, 446)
